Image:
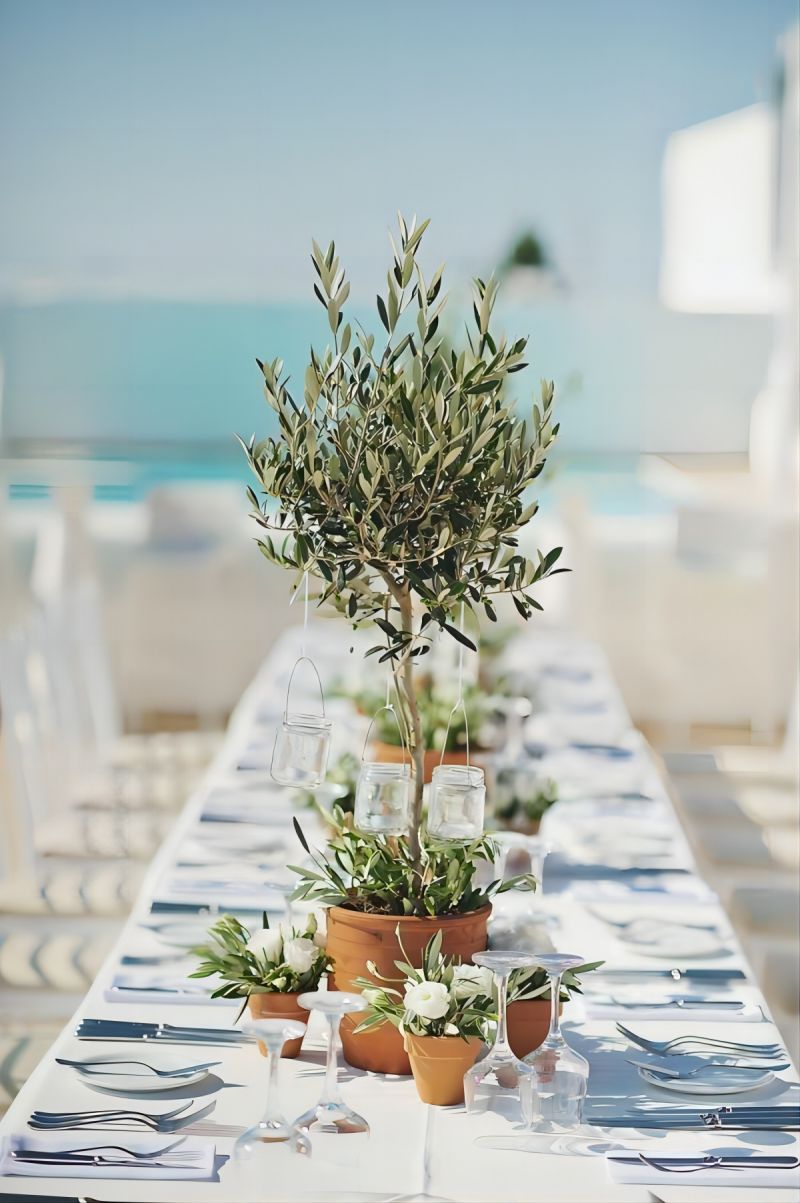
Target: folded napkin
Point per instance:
(626, 1166)
(199, 1164)
(131, 988)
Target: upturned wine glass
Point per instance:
(273, 1137)
(331, 1116)
(553, 1097)
(495, 1082)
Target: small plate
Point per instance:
(138, 1079)
(714, 1079)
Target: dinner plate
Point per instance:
(713, 1079)
(137, 1079)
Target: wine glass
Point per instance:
(553, 1097)
(495, 1083)
(273, 1136)
(331, 1116)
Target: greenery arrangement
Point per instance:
(527, 251)
(402, 474)
(527, 984)
(442, 998)
(381, 875)
(519, 799)
(268, 960)
(442, 729)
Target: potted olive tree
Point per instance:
(402, 478)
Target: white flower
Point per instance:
(319, 938)
(371, 994)
(428, 1000)
(266, 944)
(450, 1029)
(300, 954)
(311, 925)
(471, 980)
(278, 983)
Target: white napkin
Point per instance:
(130, 988)
(203, 1167)
(636, 1171)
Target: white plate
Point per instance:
(713, 1079)
(184, 935)
(673, 941)
(137, 1079)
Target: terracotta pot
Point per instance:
(355, 938)
(528, 1023)
(278, 1006)
(393, 754)
(439, 1064)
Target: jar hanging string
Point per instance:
(292, 600)
(459, 703)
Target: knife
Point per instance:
(684, 1004)
(744, 1160)
(676, 975)
(199, 908)
(139, 1030)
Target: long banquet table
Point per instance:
(613, 808)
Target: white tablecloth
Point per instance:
(414, 1148)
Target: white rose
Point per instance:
(278, 983)
(450, 1029)
(266, 944)
(311, 925)
(319, 939)
(300, 954)
(471, 980)
(428, 1000)
(371, 994)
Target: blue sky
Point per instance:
(191, 148)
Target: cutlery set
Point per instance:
(159, 1033)
(121, 1119)
(691, 1165)
(699, 1044)
(777, 1118)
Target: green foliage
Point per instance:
(251, 970)
(380, 875)
(400, 471)
(519, 798)
(462, 995)
(527, 251)
(525, 984)
(435, 711)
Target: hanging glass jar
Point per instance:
(384, 791)
(302, 743)
(456, 802)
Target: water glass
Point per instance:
(300, 755)
(553, 1098)
(383, 798)
(456, 802)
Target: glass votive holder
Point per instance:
(300, 755)
(383, 798)
(456, 802)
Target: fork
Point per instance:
(714, 1163)
(99, 1067)
(116, 1111)
(626, 924)
(90, 1150)
(669, 1046)
(170, 1122)
(659, 1071)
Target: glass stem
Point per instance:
(501, 1040)
(330, 1091)
(554, 1034)
(274, 1050)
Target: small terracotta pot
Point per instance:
(438, 1064)
(278, 1006)
(528, 1023)
(355, 937)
